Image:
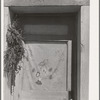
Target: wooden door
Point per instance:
(47, 71)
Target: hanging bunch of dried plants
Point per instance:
(14, 53)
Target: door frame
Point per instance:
(83, 55)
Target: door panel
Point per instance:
(46, 73)
(41, 95)
(47, 66)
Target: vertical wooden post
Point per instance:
(6, 89)
(84, 67)
(69, 64)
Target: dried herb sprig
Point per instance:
(14, 53)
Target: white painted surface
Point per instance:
(94, 65)
(84, 68)
(45, 2)
(6, 90)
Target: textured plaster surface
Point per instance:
(45, 2)
(84, 70)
